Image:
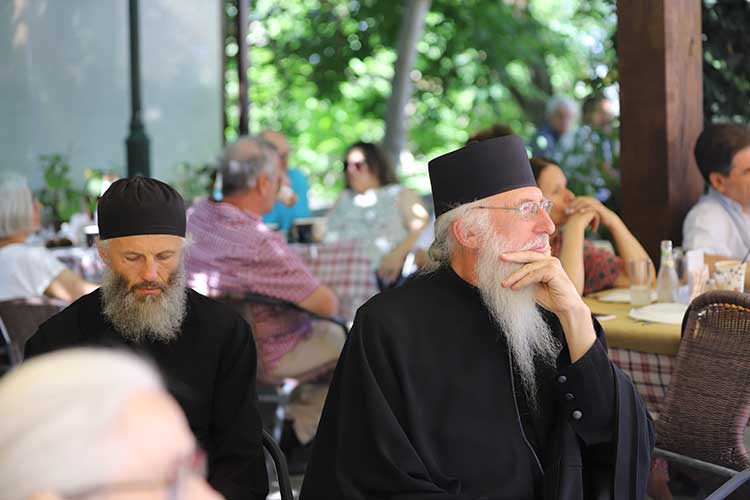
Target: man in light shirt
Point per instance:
(719, 224)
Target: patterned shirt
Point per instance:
(234, 251)
(601, 268)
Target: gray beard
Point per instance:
(155, 317)
(528, 336)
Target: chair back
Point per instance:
(708, 402)
(279, 462)
(22, 317)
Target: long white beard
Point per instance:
(155, 317)
(528, 336)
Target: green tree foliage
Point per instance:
(320, 71)
(726, 61)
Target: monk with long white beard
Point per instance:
(486, 376)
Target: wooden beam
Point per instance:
(661, 101)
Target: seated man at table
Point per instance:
(95, 423)
(486, 377)
(719, 224)
(232, 250)
(203, 347)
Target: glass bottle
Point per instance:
(667, 282)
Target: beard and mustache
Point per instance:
(151, 317)
(527, 334)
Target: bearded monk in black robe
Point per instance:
(486, 376)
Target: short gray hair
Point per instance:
(445, 243)
(244, 161)
(16, 206)
(57, 417)
(558, 102)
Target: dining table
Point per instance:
(645, 350)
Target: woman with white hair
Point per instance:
(94, 423)
(27, 271)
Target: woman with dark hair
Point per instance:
(376, 210)
(590, 269)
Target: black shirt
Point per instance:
(210, 369)
(423, 407)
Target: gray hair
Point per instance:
(244, 161)
(558, 102)
(58, 414)
(16, 206)
(445, 243)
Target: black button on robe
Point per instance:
(210, 370)
(423, 407)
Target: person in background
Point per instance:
(590, 269)
(94, 423)
(560, 115)
(376, 210)
(292, 200)
(28, 271)
(719, 224)
(233, 251)
(203, 346)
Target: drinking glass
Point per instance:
(639, 272)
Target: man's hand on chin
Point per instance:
(557, 294)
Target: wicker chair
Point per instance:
(708, 403)
(22, 317)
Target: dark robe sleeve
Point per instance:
(362, 449)
(611, 421)
(236, 462)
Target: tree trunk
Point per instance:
(401, 87)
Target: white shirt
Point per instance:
(26, 271)
(718, 226)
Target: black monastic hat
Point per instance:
(479, 170)
(139, 205)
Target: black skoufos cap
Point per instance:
(139, 205)
(479, 170)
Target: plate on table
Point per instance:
(620, 296)
(666, 312)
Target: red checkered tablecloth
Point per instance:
(345, 268)
(651, 374)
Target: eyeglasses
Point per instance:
(359, 165)
(528, 209)
(175, 486)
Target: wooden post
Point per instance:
(661, 101)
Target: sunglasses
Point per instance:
(358, 165)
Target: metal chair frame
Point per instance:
(282, 471)
(284, 389)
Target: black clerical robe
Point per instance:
(210, 369)
(425, 405)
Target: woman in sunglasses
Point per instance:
(376, 210)
(590, 269)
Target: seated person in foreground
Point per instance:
(204, 348)
(590, 269)
(719, 224)
(376, 210)
(485, 378)
(94, 423)
(292, 203)
(27, 271)
(232, 250)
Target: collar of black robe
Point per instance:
(479, 170)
